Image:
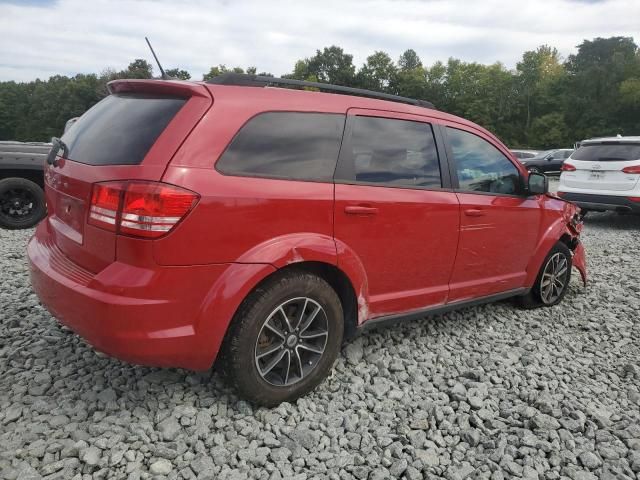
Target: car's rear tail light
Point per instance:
(634, 199)
(567, 167)
(139, 209)
(634, 169)
(105, 201)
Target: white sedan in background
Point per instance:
(603, 174)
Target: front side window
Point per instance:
(481, 167)
(290, 145)
(392, 152)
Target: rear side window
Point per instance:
(291, 145)
(480, 166)
(120, 129)
(608, 152)
(392, 152)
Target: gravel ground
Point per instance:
(488, 392)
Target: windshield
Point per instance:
(608, 152)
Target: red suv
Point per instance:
(189, 222)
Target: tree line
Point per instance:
(545, 102)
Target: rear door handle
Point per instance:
(474, 212)
(360, 210)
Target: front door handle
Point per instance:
(474, 212)
(360, 210)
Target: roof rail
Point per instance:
(247, 80)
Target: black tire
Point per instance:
(22, 203)
(239, 362)
(535, 297)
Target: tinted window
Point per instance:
(602, 152)
(300, 146)
(120, 129)
(392, 152)
(482, 167)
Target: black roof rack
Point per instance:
(247, 80)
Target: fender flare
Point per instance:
(241, 277)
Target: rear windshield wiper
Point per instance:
(57, 145)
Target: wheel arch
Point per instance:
(318, 254)
(557, 232)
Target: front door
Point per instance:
(392, 208)
(499, 225)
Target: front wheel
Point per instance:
(553, 279)
(284, 339)
(22, 203)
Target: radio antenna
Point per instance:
(163, 75)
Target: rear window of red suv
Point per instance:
(120, 129)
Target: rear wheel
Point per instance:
(284, 339)
(22, 203)
(553, 279)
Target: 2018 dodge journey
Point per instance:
(259, 226)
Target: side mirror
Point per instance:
(538, 184)
(549, 157)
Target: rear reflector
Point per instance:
(567, 167)
(139, 209)
(634, 169)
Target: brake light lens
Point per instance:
(634, 169)
(139, 209)
(634, 199)
(567, 167)
(105, 201)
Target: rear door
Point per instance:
(499, 226)
(599, 166)
(393, 208)
(131, 134)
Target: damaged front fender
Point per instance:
(580, 262)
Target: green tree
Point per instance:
(139, 68)
(409, 60)
(219, 70)
(178, 73)
(331, 65)
(378, 73)
(595, 104)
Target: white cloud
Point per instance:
(79, 36)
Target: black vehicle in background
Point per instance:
(521, 154)
(22, 203)
(547, 161)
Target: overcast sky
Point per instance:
(40, 38)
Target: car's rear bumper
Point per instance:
(601, 203)
(140, 315)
